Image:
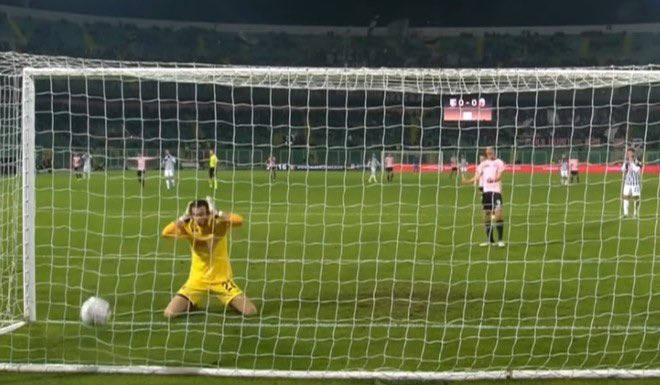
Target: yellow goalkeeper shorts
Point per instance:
(224, 291)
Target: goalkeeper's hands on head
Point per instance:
(185, 218)
(212, 210)
(233, 219)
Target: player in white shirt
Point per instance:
(480, 181)
(463, 166)
(632, 183)
(168, 166)
(271, 166)
(87, 165)
(373, 165)
(489, 172)
(563, 169)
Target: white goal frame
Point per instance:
(396, 80)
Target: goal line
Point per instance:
(395, 325)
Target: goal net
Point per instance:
(350, 278)
(11, 294)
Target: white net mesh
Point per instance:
(10, 203)
(347, 275)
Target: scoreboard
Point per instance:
(466, 108)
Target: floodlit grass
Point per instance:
(352, 276)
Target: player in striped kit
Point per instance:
(373, 166)
(168, 165)
(563, 170)
(632, 183)
(463, 166)
(87, 165)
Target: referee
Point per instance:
(213, 161)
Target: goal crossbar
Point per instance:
(428, 81)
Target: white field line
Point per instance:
(171, 257)
(385, 325)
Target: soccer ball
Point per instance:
(95, 311)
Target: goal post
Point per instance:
(11, 201)
(352, 280)
(29, 198)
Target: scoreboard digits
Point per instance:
(467, 108)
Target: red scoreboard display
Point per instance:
(467, 108)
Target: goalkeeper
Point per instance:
(210, 273)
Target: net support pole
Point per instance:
(29, 205)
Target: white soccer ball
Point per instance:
(95, 311)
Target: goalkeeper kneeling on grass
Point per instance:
(210, 273)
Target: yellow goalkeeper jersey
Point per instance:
(213, 161)
(208, 246)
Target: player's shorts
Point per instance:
(454, 169)
(491, 200)
(169, 173)
(140, 174)
(211, 172)
(76, 168)
(389, 169)
(574, 172)
(224, 291)
(563, 173)
(629, 190)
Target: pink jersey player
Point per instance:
(489, 170)
(142, 167)
(77, 161)
(489, 175)
(388, 163)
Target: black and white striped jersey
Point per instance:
(168, 162)
(632, 172)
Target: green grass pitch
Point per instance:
(351, 276)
